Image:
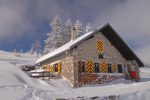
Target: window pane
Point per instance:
(96, 68)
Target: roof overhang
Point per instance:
(121, 46)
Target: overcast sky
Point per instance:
(24, 21)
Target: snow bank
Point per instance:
(14, 83)
(17, 85)
(11, 74)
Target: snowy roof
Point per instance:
(68, 45)
(63, 48)
(109, 33)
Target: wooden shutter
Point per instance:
(100, 46)
(90, 66)
(104, 68)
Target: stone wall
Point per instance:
(67, 65)
(68, 69)
(87, 50)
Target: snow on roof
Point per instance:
(63, 48)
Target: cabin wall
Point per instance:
(87, 50)
(67, 66)
(68, 69)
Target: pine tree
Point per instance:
(56, 37)
(14, 51)
(68, 29)
(58, 32)
(88, 27)
(78, 28)
(36, 48)
(31, 50)
(49, 43)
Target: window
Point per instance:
(119, 68)
(83, 67)
(55, 68)
(109, 68)
(101, 56)
(96, 68)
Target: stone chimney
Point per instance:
(73, 34)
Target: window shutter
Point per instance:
(100, 47)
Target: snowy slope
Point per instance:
(16, 85)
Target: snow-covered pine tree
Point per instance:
(31, 50)
(78, 28)
(36, 48)
(57, 29)
(56, 37)
(88, 27)
(68, 29)
(49, 43)
(15, 51)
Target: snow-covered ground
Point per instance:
(16, 85)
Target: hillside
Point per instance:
(16, 85)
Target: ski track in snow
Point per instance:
(16, 85)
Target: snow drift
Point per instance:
(15, 84)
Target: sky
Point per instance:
(22, 22)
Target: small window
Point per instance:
(96, 68)
(55, 67)
(101, 56)
(119, 68)
(83, 67)
(109, 68)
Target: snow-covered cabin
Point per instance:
(93, 55)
